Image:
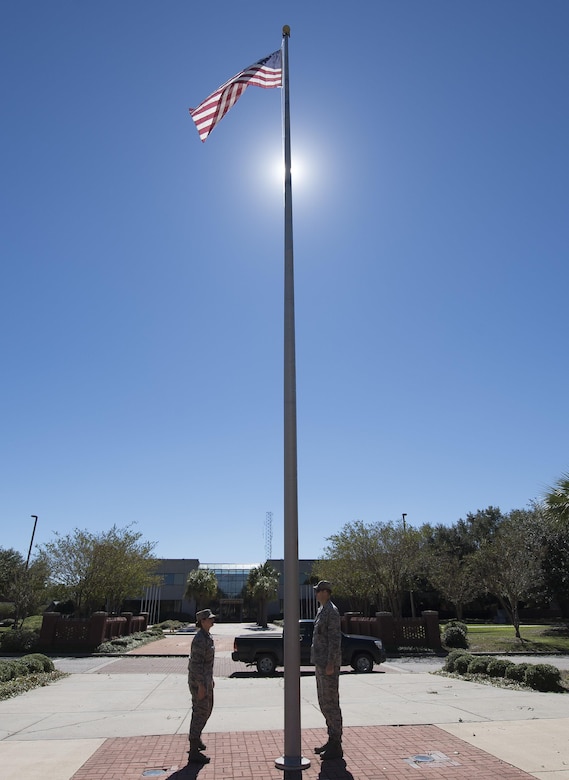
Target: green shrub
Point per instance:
(124, 643)
(106, 647)
(22, 683)
(479, 664)
(6, 610)
(458, 624)
(453, 636)
(170, 625)
(517, 672)
(121, 641)
(32, 664)
(451, 660)
(5, 671)
(462, 662)
(18, 669)
(543, 677)
(37, 662)
(25, 666)
(19, 641)
(498, 666)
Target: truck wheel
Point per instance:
(362, 662)
(266, 664)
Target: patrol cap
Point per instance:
(205, 614)
(323, 585)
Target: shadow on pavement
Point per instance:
(333, 770)
(188, 772)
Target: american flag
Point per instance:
(265, 73)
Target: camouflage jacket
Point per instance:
(327, 637)
(200, 662)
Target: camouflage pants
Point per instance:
(201, 710)
(327, 687)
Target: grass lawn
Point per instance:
(534, 639)
(32, 623)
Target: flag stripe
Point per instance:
(266, 73)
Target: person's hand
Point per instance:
(330, 668)
(201, 692)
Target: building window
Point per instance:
(177, 578)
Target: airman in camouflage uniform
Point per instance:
(201, 683)
(326, 655)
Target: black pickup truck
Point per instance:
(266, 652)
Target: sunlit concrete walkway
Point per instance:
(128, 718)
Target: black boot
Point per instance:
(333, 750)
(201, 745)
(195, 757)
(322, 748)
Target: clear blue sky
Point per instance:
(142, 271)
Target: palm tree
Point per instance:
(201, 585)
(557, 500)
(262, 585)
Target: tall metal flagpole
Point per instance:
(292, 761)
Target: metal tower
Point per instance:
(268, 535)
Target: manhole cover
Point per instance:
(153, 772)
(434, 759)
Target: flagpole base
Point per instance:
(293, 763)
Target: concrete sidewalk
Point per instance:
(128, 718)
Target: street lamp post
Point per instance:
(32, 540)
(411, 599)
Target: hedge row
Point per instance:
(123, 644)
(19, 640)
(542, 677)
(27, 664)
(22, 640)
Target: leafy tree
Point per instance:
(342, 565)
(455, 579)
(557, 500)
(23, 585)
(100, 571)
(122, 566)
(450, 568)
(201, 585)
(372, 564)
(476, 529)
(450, 562)
(11, 562)
(262, 585)
(70, 561)
(555, 565)
(28, 588)
(398, 561)
(510, 561)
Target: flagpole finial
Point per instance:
(286, 31)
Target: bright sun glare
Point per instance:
(308, 171)
(298, 171)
